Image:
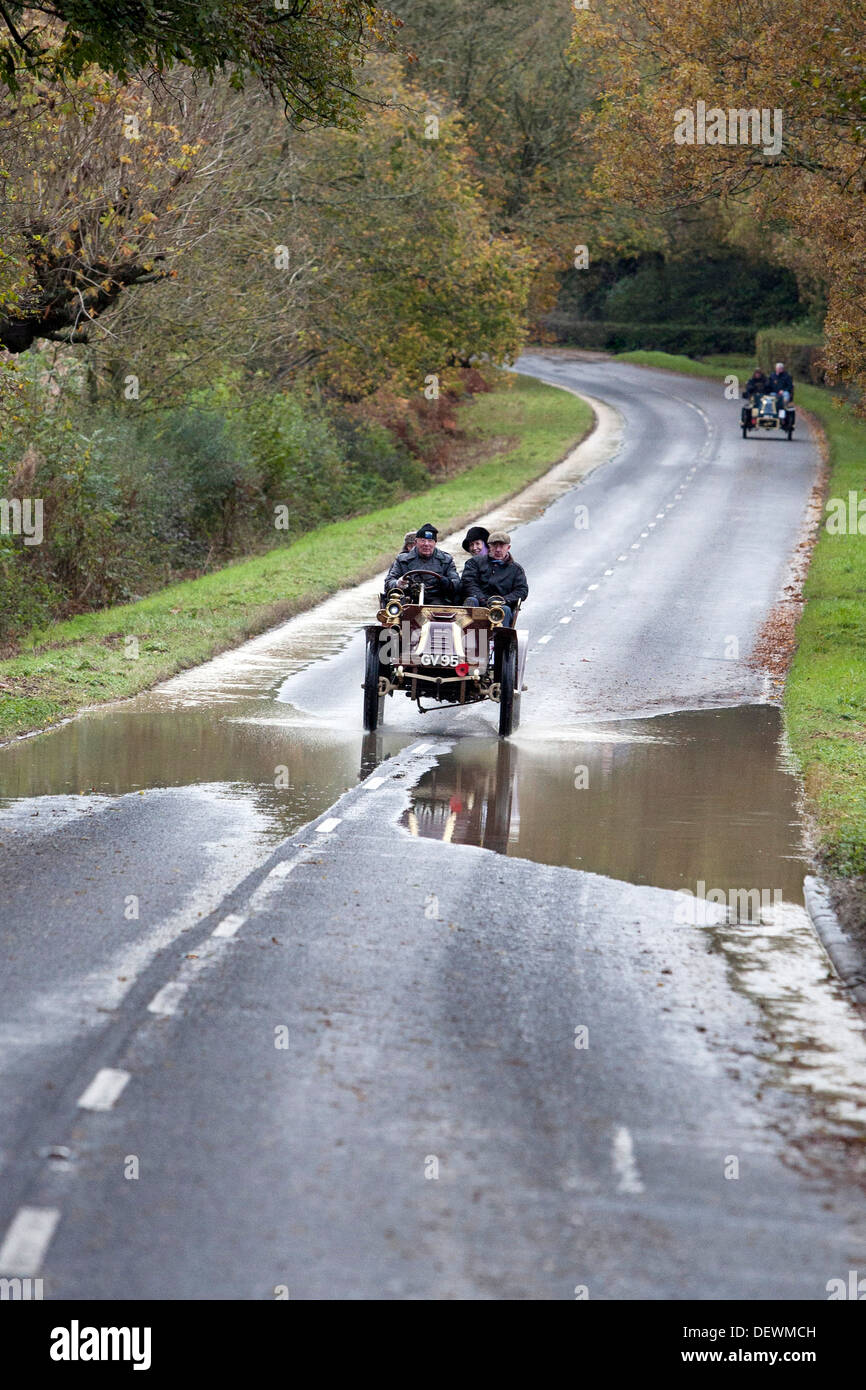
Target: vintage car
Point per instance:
(444, 653)
(765, 413)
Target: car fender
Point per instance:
(522, 650)
(504, 637)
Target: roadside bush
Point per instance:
(385, 464)
(27, 600)
(692, 340)
(135, 498)
(800, 349)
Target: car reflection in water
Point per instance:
(469, 803)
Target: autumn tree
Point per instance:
(410, 277)
(505, 67)
(104, 188)
(306, 50)
(364, 257)
(804, 63)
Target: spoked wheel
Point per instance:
(373, 701)
(509, 696)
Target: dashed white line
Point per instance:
(271, 881)
(579, 604)
(422, 748)
(622, 557)
(327, 826)
(608, 572)
(285, 866)
(625, 1163)
(636, 545)
(590, 587)
(167, 999)
(27, 1240)
(373, 783)
(542, 640)
(104, 1089)
(229, 925)
(565, 620)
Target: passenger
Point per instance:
(475, 540)
(426, 556)
(496, 573)
(782, 383)
(408, 542)
(757, 385)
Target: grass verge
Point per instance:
(84, 661)
(825, 693)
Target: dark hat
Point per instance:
(427, 532)
(502, 536)
(475, 533)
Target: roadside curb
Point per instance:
(845, 955)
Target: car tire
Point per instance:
(509, 697)
(372, 699)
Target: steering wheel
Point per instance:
(410, 575)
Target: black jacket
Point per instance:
(757, 385)
(783, 381)
(482, 578)
(445, 590)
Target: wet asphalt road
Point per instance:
(367, 1084)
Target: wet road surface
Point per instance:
(428, 1015)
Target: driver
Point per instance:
(782, 383)
(426, 556)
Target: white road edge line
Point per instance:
(229, 925)
(104, 1089)
(27, 1240)
(167, 999)
(624, 1163)
(328, 825)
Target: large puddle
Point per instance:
(672, 801)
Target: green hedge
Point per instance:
(694, 340)
(800, 350)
